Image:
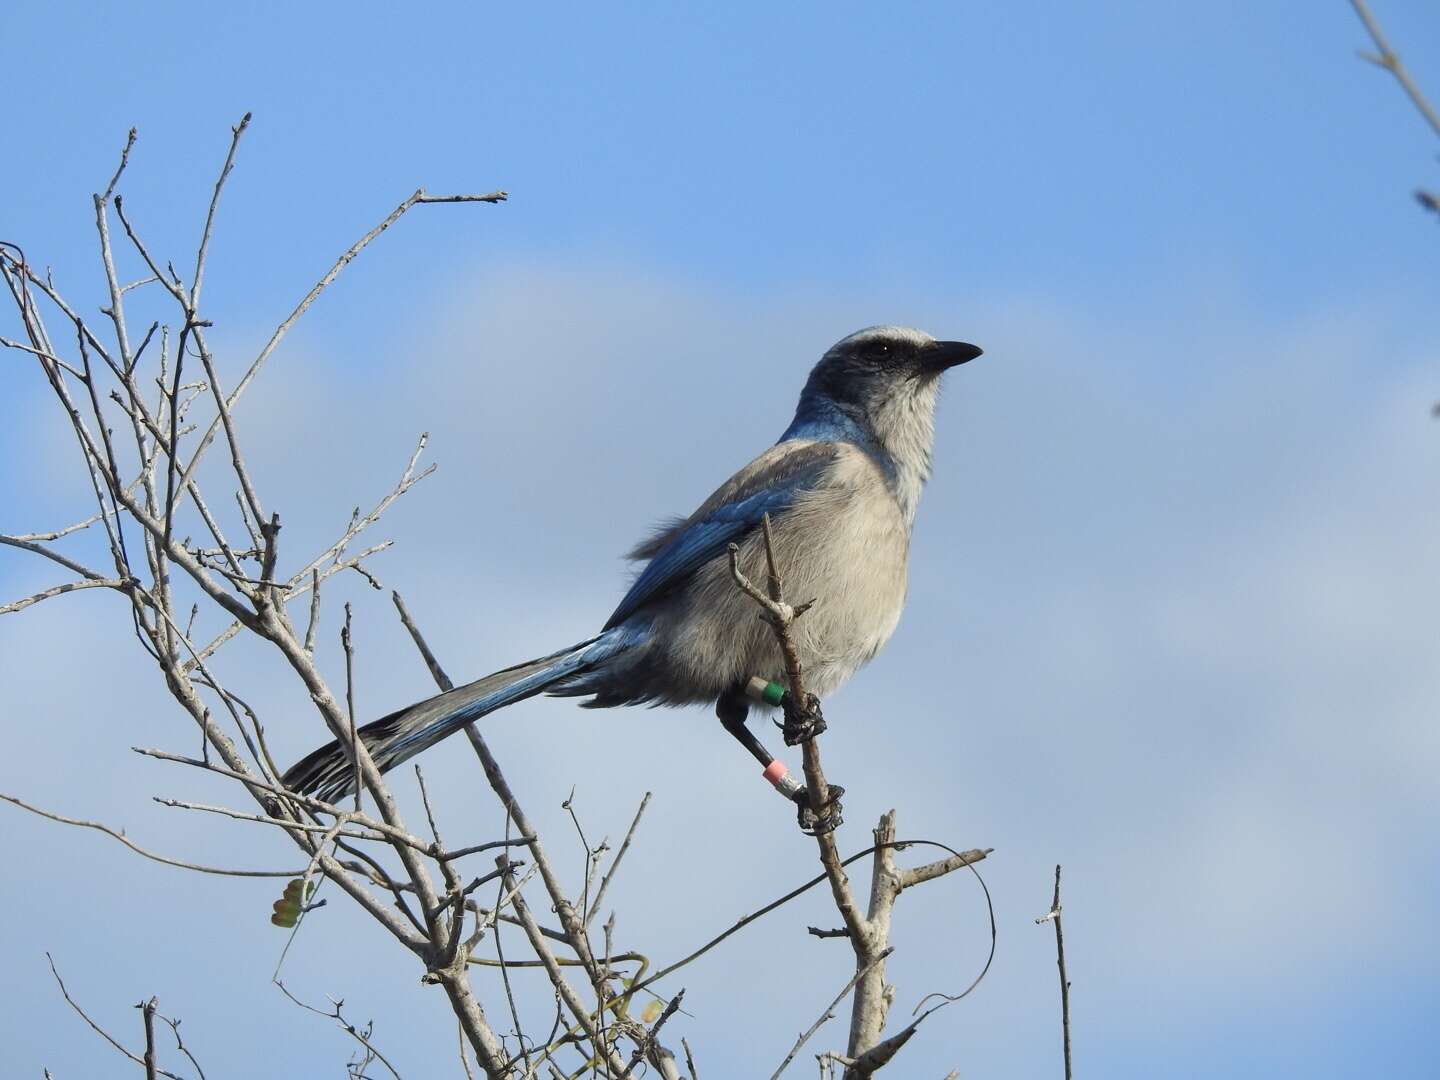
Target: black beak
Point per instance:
(947, 354)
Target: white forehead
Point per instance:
(904, 334)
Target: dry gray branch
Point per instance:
(164, 859)
(136, 1058)
(336, 1014)
(147, 1010)
(180, 1044)
(588, 1022)
(61, 590)
(1385, 57)
(290, 320)
(615, 864)
(252, 604)
(573, 924)
(829, 1013)
(1053, 915)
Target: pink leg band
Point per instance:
(775, 772)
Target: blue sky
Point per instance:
(1173, 585)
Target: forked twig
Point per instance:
(136, 1058)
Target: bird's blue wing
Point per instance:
(768, 485)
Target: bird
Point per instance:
(840, 490)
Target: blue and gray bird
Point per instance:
(840, 487)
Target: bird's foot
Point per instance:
(827, 819)
(802, 723)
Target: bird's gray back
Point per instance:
(775, 467)
(844, 542)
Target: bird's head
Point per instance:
(882, 361)
(882, 380)
(880, 375)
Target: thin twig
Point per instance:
(972, 857)
(96, 1027)
(647, 1042)
(61, 590)
(562, 985)
(314, 622)
(1387, 59)
(99, 827)
(363, 1038)
(615, 865)
(199, 278)
(347, 642)
(829, 1013)
(319, 287)
(124, 160)
(180, 1044)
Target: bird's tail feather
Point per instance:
(328, 773)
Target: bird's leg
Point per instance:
(801, 725)
(732, 708)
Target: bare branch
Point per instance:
(294, 589)
(54, 556)
(1391, 63)
(45, 537)
(147, 1010)
(1053, 915)
(199, 278)
(745, 920)
(313, 623)
(61, 590)
(307, 575)
(615, 865)
(647, 1042)
(436, 938)
(166, 860)
(48, 357)
(829, 1013)
(557, 977)
(348, 645)
(319, 287)
(362, 1037)
(124, 160)
(180, 1044)
(96, 1027)
(436, 672)
(920, 874)
(780, 615)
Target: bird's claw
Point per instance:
(802, 723)
(828, 819)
